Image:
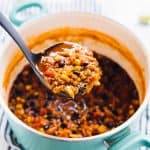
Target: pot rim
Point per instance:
(103, 135)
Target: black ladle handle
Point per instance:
(13, 33)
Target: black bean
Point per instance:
(113, 111)
(111, 124)
(49, 116)
(18, 92)
(50, 96)
(76, 73)
(82, 88)
(58, 108)
(46, 127)
(104, 97)
(100, 122)
(36, 110)
(35, 114)
(74, 131)
(95, 132)
(62, 63)
(63, 125)
(31, 103)
(89, 116)
(75, 116)
(25, 106)
(85, 64)
(46, 103)
(135, 93)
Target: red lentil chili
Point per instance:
(104, 108)
(70, 69)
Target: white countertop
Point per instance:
(127, 12)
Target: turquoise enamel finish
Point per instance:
(123, 140)
(132, 141)
(32, 141)
(20, 8)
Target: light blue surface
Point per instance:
(132, 141)
(123, 140)
(32, 141)
(23, 7)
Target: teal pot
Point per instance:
(120, 138)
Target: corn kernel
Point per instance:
(131, 107)
(102, 128)
(57, 58)
(29, 119)
(41, 130)
(77, 62)
(69, 90)
(75, 135)
(19, 106)
(18, 98)
(65, 77)
(131, 112)
(28, 87)
(21, 112)
(77, 68)
(36, 93)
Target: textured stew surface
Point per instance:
(104, 108)
(70, 69)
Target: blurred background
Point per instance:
(127, 12)
(134, 14)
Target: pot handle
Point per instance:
(131, 141)
(21, 8)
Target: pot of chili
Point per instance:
(100, 119)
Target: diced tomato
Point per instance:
(49, 73)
